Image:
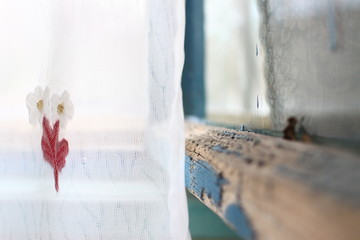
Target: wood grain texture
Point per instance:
(272, 189)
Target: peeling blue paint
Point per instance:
(236, 216)
(201, 178)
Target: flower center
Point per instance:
(60, 108)
(40, 105)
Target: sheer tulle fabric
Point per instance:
(117, 64)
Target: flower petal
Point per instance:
(40, 118)
(38, 92)
(30, 101)
(33, 116)
(54, 104)
(46, 110)
(46, 103)
(46, 93)
(63, 120)
(69, 110)
(65, 97)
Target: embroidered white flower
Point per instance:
(62, 108)
(38, 104)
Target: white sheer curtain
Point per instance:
(119, 64)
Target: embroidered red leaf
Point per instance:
(54, 151)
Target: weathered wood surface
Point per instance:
(271, 189)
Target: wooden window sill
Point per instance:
(269, 188)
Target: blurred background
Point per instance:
(258, 62)
(252, 64)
